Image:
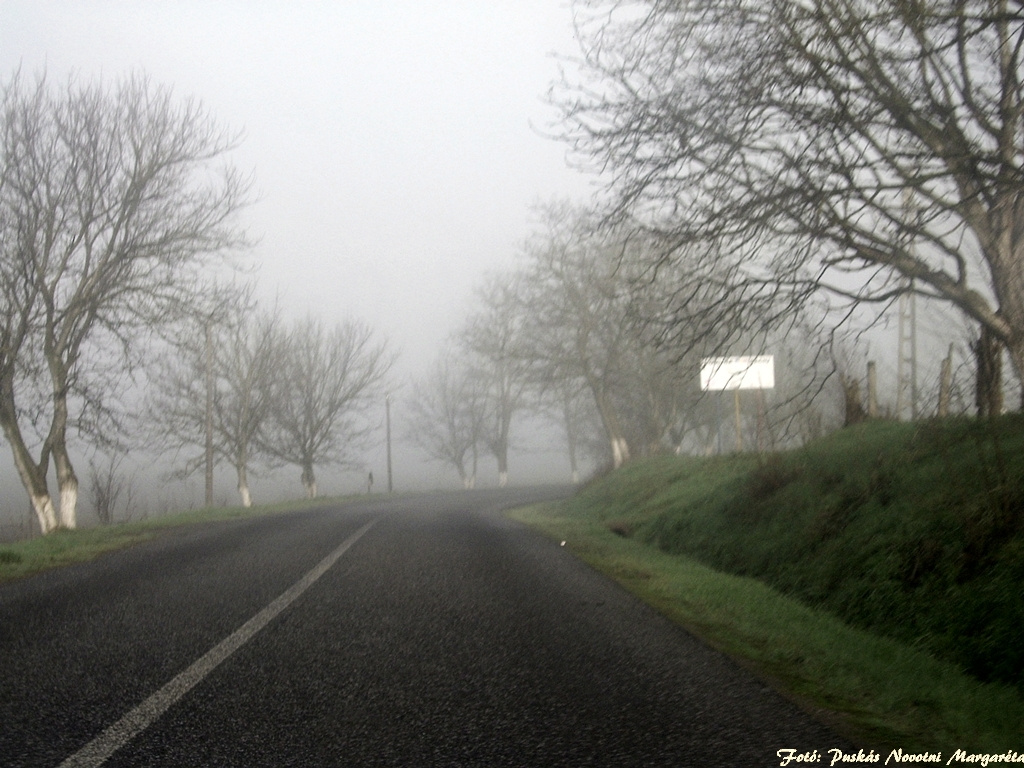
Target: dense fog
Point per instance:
(395, 151)
(253, 252)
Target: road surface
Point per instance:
(413, 631)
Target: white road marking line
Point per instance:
(96, 752)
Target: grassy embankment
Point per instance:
(64, 547)
(875, 576)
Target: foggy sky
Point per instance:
(396, 147)
(391, 143)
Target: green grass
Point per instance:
(65, 547)
(902, 545)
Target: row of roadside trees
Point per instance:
(860, 150)
(251, 389)
(118, 203)
(569, 335)
(774, 170)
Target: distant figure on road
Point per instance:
(369, 484)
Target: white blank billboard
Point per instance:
(717, 373)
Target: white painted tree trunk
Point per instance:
(45, 513)
(243, 482)
(309, 481)
(502, 479)
(68, 503)
(32, 477)
(620, 452)
(67, 480)
(610, 420)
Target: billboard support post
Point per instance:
(739, 430)
(736, 373)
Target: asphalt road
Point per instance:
(419, 631)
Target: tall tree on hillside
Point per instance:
(809, 141)
(326, 381)
(111, 201)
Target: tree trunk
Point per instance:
(988, 394)
(33, 476)
(570, 437)
(502, 455)
(620, 451)
(67, 482)
(1005, 258)
(56, 441)
(1016, 352)
(853, 408)
(309, 481)
(69, 501)
(243, 486)
(610, 420)
(500, 447)
(945, 384)
(38, 494)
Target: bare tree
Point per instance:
(239, 358)
(577, 327)
(111, 200)
(447, 416)
(243, 402)
(566, 403)
(866, 148)
(109, 487)
(493, 339)
(326, 380)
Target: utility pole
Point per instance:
(387, 419)
(209, 412)
(907, 353)
(906, 363)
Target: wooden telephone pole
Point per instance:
(387, 419)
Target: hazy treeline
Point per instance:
(861, 150)
(118, 206)
(774, 173)
(574, 333)
(245, 388)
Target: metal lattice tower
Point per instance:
(906, 363)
